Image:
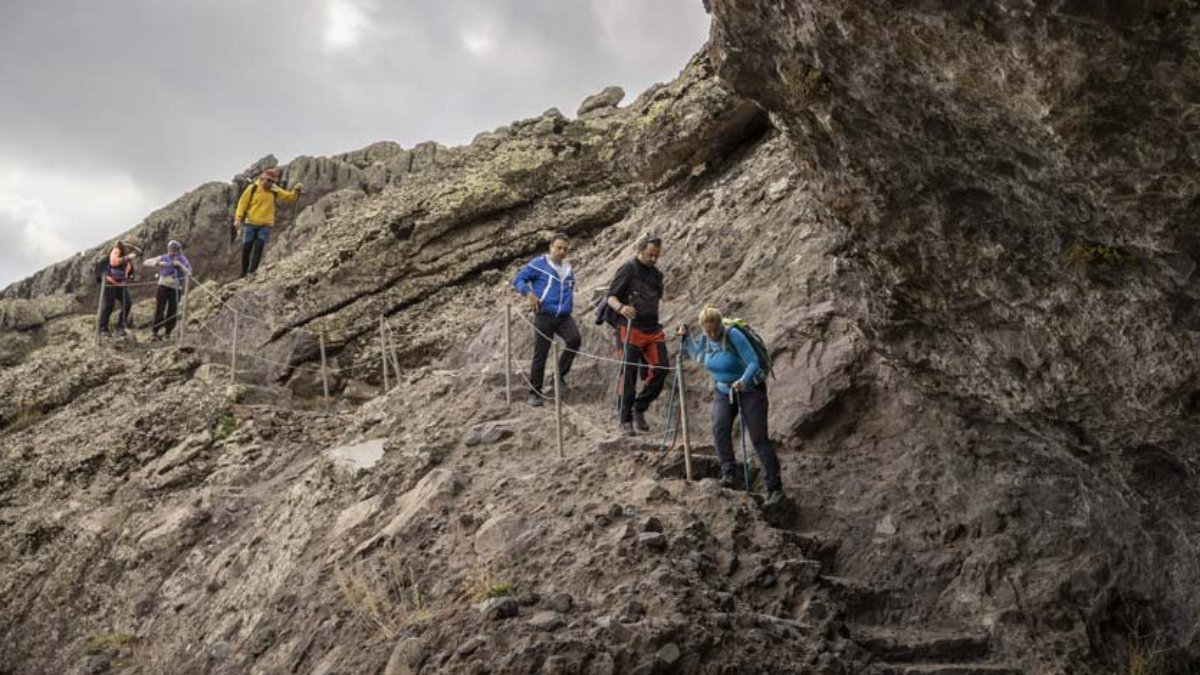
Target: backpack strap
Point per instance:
(764, 367)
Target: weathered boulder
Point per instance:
(610, 97)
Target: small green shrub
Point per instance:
(387, 595)
(1099, 256)
(481, 583)
(500, 590)
(1145, 659)
(26, 418)
(226, 425)
(110, 642)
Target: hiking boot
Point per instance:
(627, 429)
(639, 420)
(155, 337)
(562, 385)
(105, 334)
(728, 482)
(774, 498)
(535, 400)
(121, 332)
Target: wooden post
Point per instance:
(233, 352)
(558, 404)
(391, 340)
(383, 357)
(508, 353)
(182, 309)
(100, 306)
(324, 375)
(687, 439)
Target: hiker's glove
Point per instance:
(299, 188)
(738, 386)
(533, 302)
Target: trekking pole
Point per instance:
(670, 411)
(508, 353)
(624, 358)
(687, 439)
(383, 359)
(100, 307)
(742, 426)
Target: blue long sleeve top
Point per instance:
(553, 287)
(727, 359)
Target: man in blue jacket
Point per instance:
(548, 284)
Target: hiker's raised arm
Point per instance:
(288, 196)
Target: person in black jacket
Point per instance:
(634, 294)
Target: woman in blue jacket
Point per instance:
(739, 384)
(548, 284)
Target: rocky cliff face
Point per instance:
(1018, 181)
(961, 230)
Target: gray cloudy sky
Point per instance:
(110, 109)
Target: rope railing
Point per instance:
(595, 357)
(603, 433)
(363, 327)
(387, 357)
(131, 284)
(677, 385)
(387, 344)
(263, 359)
(232, 344)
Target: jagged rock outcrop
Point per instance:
(254, 170)
(1014, 179)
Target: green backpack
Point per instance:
(759, 345)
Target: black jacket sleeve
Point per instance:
(619, 288)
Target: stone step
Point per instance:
(814, 545)
(864, 601)
(904, 644)
(943, 669)
(705, 464)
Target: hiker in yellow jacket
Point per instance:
(255, 215)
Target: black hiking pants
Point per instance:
(252, 252)
(645, 355)
(753, 405)
(113, 295)
(166, 309)
(254, 240)
(547, 326)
